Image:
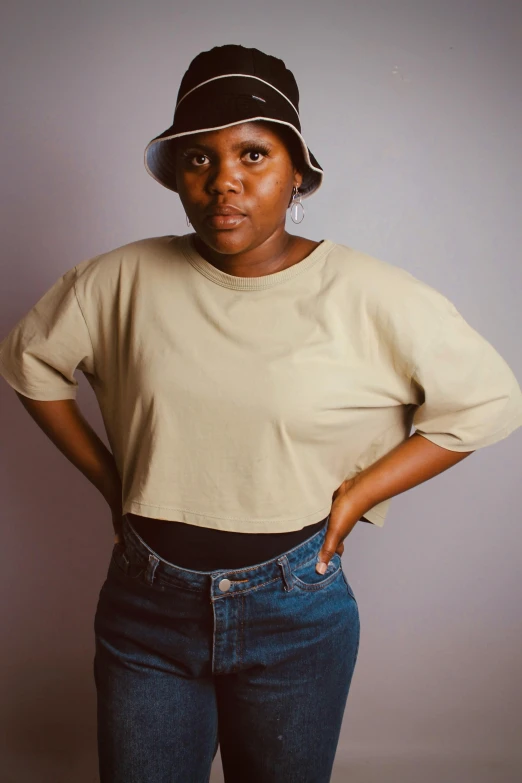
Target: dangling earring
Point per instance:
(296, 203)
(188, 221)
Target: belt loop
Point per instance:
(151, 568)
(125, 560)
(287, 574)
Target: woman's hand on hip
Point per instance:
(342, 520)
(408, 464)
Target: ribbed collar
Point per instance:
(249, 283)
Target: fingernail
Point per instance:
(320, 568)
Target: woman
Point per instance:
(258, 391)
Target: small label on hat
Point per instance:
(245, 102)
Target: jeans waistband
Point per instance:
(138, 554)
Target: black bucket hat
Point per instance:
(225, 86)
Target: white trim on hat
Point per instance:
(228, 125)
(226, 76)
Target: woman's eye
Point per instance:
(258, 153)
(196, 157)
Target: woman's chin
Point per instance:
(226, 240)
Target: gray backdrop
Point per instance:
(414, 111)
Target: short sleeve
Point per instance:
(466, 393)
(40, 354)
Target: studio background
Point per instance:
(413, 109)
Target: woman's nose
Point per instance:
(224, 178)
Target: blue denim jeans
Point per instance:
(255, 660)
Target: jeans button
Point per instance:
(224, 585)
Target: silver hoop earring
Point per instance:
(188, 221)
(294, 208)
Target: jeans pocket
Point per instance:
(124, 565)
(306, 577)
(349, 587)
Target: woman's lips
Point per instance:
(225, 221)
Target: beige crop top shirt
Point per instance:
(243, 403)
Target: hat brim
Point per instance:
(212, 108)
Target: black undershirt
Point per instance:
(206, 549)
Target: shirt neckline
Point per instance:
(249, 283)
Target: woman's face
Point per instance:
(245, 166)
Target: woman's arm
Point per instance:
(63, 422)
(412, 462)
